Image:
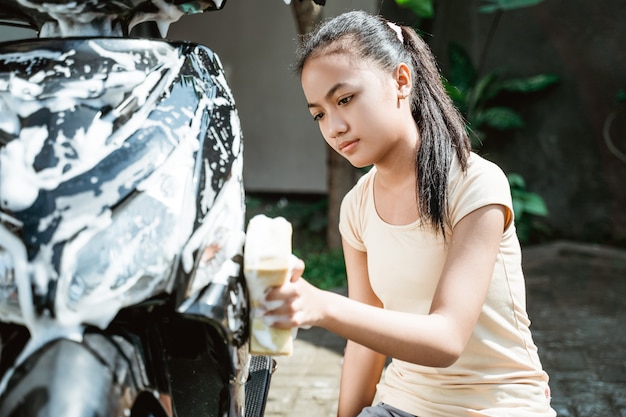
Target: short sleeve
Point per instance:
(483, 183)
(350, 217)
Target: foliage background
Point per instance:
(517, 96)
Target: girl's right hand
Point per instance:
(298, 303)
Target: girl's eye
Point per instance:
(345, 100)
(317, 117)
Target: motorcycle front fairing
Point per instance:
(97, 18)
(120, 186)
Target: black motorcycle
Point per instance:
(121, 220)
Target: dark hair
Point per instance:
(441, 126)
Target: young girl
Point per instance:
(432, 258)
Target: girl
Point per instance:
(432, 258)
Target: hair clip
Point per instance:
(396, 29)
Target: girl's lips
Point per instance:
(347, 145)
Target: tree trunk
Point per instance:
(341, 175)
(307, 15)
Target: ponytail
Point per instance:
(442, 131)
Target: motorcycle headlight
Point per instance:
(129, 255)
(219, 239)
(124, 259)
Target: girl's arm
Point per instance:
(361, 371)
(436, 339)
(362, 367)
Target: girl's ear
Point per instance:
(403, 80)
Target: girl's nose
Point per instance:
(337, 126)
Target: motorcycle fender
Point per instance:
(66, 378)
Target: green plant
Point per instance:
(308, 215)
(422, 8)
(325, 267)
(425, 8)
(477, 97)
(526, 205)
(490, 6)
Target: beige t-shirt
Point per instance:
(499, 372)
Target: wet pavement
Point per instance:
(577, 304)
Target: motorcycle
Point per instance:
(121, 220)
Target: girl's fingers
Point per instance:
(281, 306)
(277, 321)
(297, 270)
(284, 305)
(272, 305)
(287, 306)
(283, 292)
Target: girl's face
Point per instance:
(360, 109)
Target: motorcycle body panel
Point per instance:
(52, 18)
(71, 380)
(121, 230)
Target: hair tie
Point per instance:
(396, 29)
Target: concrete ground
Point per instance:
(576, 302)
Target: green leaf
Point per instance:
(325, 269)
(534, 204)
(523, 229)
(501, 118)
(491, 6)
(422, 8)
(518, 209)
(529, 84)
(454, 92)
(462, 71)
(491, 86)
(516, 181)
(525, 202)
(482, 91)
